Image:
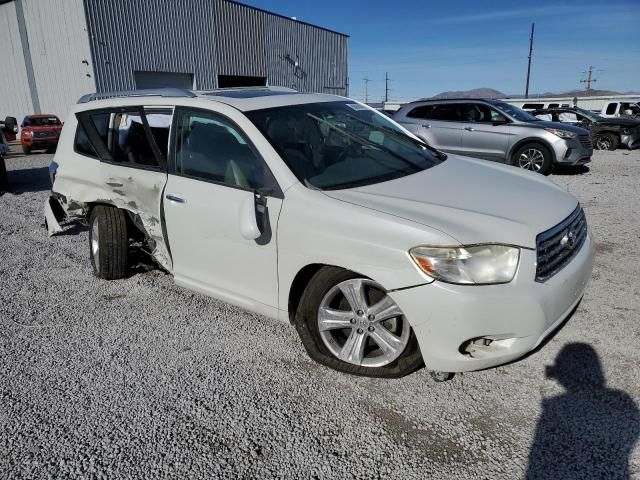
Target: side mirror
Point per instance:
(11, 123)
(253, 212)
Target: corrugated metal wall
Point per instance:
(208, 38)
(60, 53)
(15, 99)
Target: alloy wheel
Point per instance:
(362, 325)
(531, 159)
(603, 143)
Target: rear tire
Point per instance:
(407, 357)
(605, 141)
(534, 157)
(108, 242)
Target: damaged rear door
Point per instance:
(132, 144)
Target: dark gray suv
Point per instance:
(494, 130)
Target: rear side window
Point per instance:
(450, 112)
(533, 106)
(136, 137)
(421, 112)
(553, 105)
(611, 108)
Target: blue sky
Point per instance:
(428, 46)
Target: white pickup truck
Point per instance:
(620, 109)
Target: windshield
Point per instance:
(41, 121)
(594, 117)
(338, 145)
(514, 112)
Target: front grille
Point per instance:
(585, 141)
(43, 134)
(557, 246)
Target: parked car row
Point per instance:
(384, 252)
(495, 130)
(607, 133)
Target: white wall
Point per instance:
(59, 43)
(15, 99)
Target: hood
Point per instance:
(558, 125)
(471, 200)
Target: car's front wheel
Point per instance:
(534, 157)
(26, 150)
(605, 141)
(349, 323)
(108, 242)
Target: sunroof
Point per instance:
(248, 93)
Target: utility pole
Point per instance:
(589, 80)
(386, 87)
(366, 90)
(526, 90)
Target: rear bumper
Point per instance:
(516, 317)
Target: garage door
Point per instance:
(163, 80)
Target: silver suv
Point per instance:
(495, 130)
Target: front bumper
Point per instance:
(516, 316)
(630, 141)
(48, 142)
(572, 152)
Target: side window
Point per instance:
(533, 106)
(611, 108)
(568, 117)
(481, 113)
(553, 105)
(82, 144)
(211, 148)
(450, 112)
(129, 142)
(421, 112)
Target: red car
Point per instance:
(40, 132)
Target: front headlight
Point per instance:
(472, 265)
(561, 133)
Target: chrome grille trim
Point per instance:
(585, 141)
(557, 246)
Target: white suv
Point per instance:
(318, 210)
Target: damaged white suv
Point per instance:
(318, 210)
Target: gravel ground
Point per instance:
(141, 379)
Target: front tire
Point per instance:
(108, 242)
(605, 141)
(533, 156)
(26, 150)
(348, 322)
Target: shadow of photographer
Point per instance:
(590, 430)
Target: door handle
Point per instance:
(427, 125)
(114, 184)
(470, 129)
(175, 198)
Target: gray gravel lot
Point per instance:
(141, 379)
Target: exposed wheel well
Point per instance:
(300, 282)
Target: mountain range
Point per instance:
(486, 92)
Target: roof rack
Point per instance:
(154, 92)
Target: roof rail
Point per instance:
(154, 92)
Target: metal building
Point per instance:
(54, 51)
